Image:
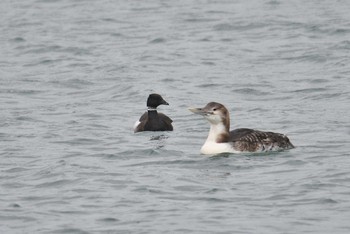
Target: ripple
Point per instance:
(57, 183)
(14, 205)
(239, 26)
(18, 39)
(251, 91)
(310, 90)
(109, 220)
(157, 40)
(79, 141)
(70, 230)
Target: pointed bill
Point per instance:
(198, 111)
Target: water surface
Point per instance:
(75, 75)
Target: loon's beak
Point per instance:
(200, 111)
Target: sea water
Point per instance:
(75, 76)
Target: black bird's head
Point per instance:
(154, 100)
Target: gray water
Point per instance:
(75, 76)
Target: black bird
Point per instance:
(151, 120)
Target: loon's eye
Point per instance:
(214, 109)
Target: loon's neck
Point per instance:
(218, 133)
(217, 141)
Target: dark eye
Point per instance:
(214, 109)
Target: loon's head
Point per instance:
(154, 100)
(215, 113)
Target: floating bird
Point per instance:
(151, 120)
(222, 140)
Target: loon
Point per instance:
(222, 140)
(151, 120)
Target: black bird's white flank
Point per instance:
(151, 120)
(222, 140)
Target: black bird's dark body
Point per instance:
(154, 121)
(151, 120)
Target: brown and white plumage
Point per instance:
(222, 140)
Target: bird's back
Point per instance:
(250, 140)
(160, 122)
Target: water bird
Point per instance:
(151, 120)
(222, 140)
